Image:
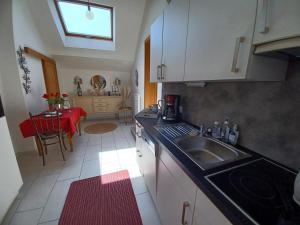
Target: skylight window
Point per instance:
(84, 19)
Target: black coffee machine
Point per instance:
(170, 108)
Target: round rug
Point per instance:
(100, 128)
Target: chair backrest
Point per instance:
(44, 125)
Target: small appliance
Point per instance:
(170, 108)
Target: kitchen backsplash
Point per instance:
(268, 113)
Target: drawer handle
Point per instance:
(184, 206)
(158, 70)
(264, 17)
(238, 42)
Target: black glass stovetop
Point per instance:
(261, 190)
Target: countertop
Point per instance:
(235, 216)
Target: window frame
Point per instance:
(70, 34)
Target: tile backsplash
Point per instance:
(268, 113)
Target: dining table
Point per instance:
(69, 123)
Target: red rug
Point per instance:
(104, 200)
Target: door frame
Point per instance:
(150, 89)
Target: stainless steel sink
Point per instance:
(208, 152)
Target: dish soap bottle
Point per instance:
(225, 131)
(216, 130)
(233, 135)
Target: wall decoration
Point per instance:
(22, 63)
(136, 78)
(77, 81)
(98, 82)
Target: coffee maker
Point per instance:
(170, 108)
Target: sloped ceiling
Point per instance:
(128, 19)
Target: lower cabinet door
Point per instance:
(150, 171)
(206, 213)
(173, 205)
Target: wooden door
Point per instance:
(277, 19)
(174, 40)
(219, 39)
(156, 48)
(50, 76)
(150, 89)
(49, 70)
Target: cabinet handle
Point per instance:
(158, 72)
(238, 42)
(163, 66)
(184, 206)
(139, 153)
(264, 17)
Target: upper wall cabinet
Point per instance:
(174, 40)
(168, 48)
(156, 49)
(277, 19)
(219, 39)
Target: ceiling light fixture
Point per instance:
(89, 14)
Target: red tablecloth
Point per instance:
(68, 122)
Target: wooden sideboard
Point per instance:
(98, 104)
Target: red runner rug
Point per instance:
(103, 200)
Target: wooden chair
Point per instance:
(48, 129)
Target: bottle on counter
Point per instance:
(225, 131)
(216, 130)
(233, 135)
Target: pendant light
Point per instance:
(89, 14)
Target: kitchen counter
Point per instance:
(198, 175)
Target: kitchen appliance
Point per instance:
(261, 190)
(297, 189)
(170, 108)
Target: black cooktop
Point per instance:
(261, 190)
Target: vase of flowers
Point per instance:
(55, 100)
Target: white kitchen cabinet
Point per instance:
(174, 40)
(156, 48)
(168, 43)
(149, 169)
(277, 19)
(175, 192)
(139, 146)
(206, 213)
(173, 205)
(219, 39)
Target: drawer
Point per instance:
(99, 100)
(100, 104)
(100, 109)
(180, 176)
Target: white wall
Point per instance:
(10, 176)
(66, 77)
(153, 9)
(26, 34)
(12, 93)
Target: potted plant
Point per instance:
(55, 101)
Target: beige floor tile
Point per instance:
(71, 169)
(37, 195)
(147, 209)
(138, 185)
(56, 201)
(90, 169)
(26, 218)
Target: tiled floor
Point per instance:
(42, 196)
